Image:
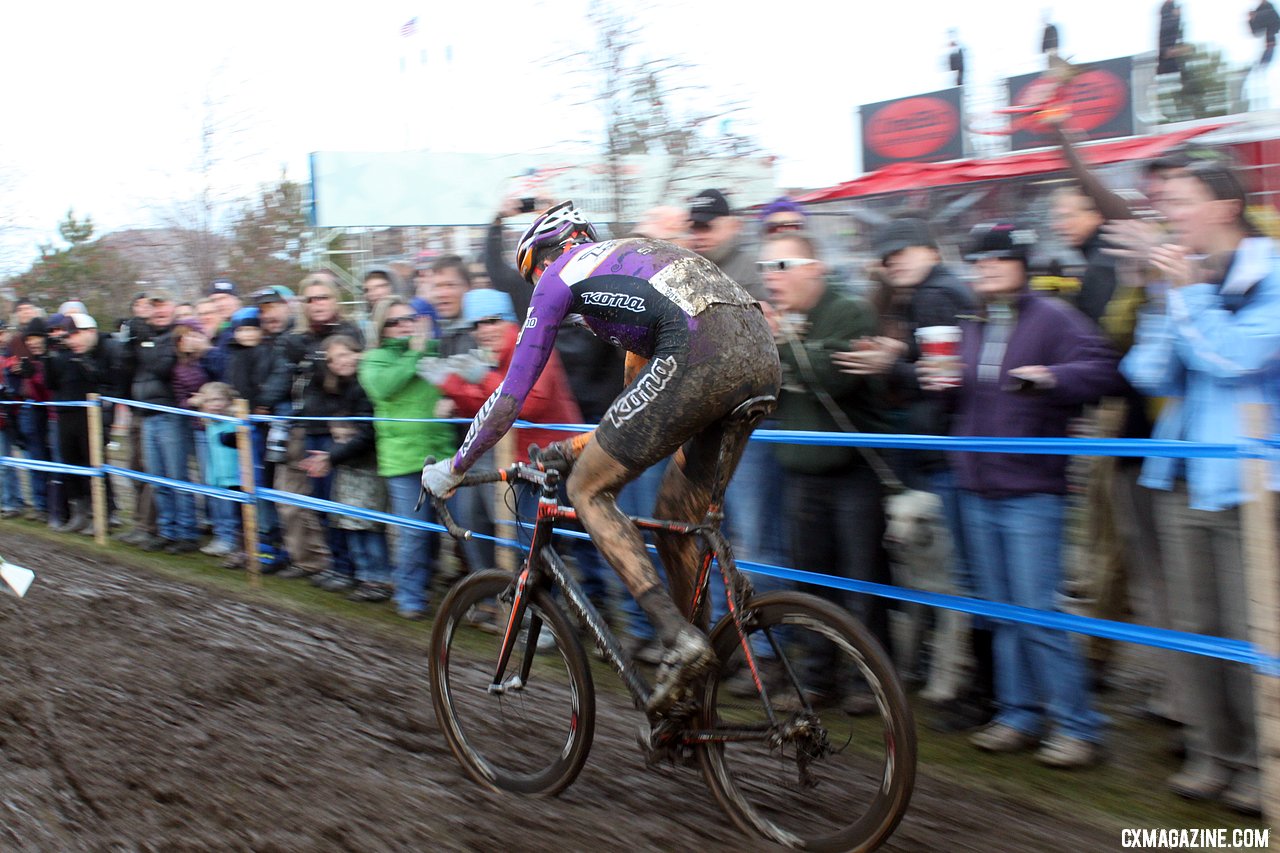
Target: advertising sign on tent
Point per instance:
(1098, 102)
(919, 129)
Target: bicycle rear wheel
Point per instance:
(531, 736)
(836, 769)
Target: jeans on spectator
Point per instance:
(639, 498)
(475, 512)
(368, 550)
(943, 484)
(412, 574)
(167, 447)
(10, 485)
(836, 523)
(1016, 546)
(224, 515)
(334, 537)
(594, 573)
(33, 421)
(755, 525)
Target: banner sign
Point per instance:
(1098, 100)
(919, 129)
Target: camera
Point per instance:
(528, 205)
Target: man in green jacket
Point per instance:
(833, 498)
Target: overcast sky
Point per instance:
(104, 103)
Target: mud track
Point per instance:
(142, 713)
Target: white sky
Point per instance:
(103, 103)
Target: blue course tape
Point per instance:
(180, 485)
(1217, 647)
(49, 466)
(62, 404)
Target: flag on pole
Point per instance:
(409, 28)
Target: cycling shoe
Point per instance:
(684, 662)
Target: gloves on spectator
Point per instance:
(470, 367)
(440, 479)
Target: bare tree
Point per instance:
(649, 107)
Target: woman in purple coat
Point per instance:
(1029, 363)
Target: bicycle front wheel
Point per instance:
(832, 768)
(527, 735)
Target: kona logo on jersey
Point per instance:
(530, 322)
(584, 263)
(614, 300)
(634, 401)
(481, 416)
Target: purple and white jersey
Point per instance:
(642, 295)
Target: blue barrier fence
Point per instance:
(1216, 647)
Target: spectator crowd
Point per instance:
(1173, 322)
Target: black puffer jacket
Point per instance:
(303, 354)
(150, 356)
(75, 376)
(258, 375)
(347, 399)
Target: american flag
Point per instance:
(409, 27)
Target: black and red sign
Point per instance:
(1097, 101)
(920, 129)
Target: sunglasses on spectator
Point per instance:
(784, 264)
(325, 298)
(396, 321)
(778, 227)
(488, 321)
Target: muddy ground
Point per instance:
(142, 713)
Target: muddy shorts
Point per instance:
(727, 358)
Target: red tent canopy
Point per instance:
(914, 176)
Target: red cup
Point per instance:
(940, 349)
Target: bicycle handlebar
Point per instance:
(519, 472)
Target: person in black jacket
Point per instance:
(86, 365)
(1077, 220)
(346, 471)
(1264, 21)
(924, 292)
(150, 355)
(304, 355)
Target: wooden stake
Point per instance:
(248, 511)
(1262, 579)
(504, 455)
(97, 485)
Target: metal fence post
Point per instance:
(97, 485)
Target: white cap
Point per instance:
(73, 307)
(83, 321)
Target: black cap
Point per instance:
(1001, 240)
(903, 234)
(267, 294)
(35, 328)
(708, 205)
(223, 285)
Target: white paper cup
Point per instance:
(940, 350)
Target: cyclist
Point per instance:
(698, 346)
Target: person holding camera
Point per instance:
(303, 350)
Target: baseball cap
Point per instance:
(902, 234)
(81, 321)
(267, 294)
(708, 205)
(71, 307)
(1000, 240)
(481, 304)
(157, 294)
(223, 285)
(245, 317)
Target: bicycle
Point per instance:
(782, 757)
